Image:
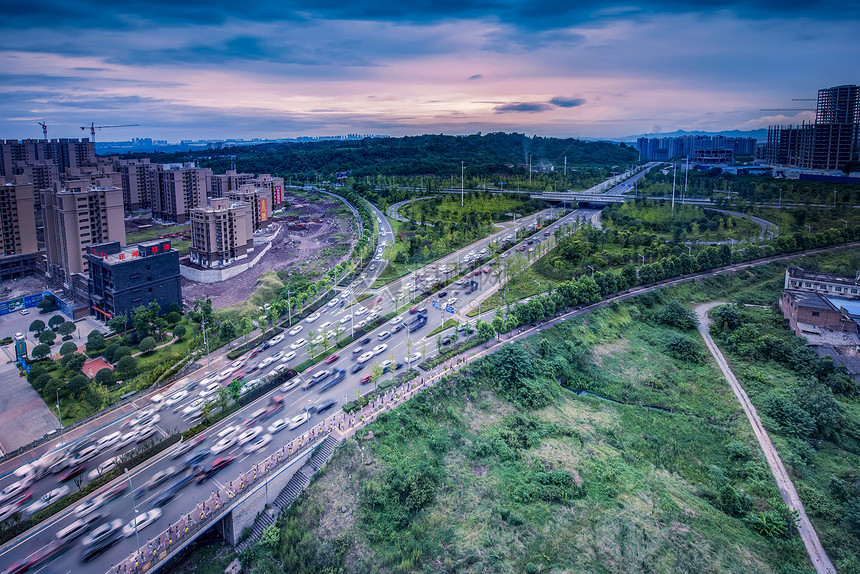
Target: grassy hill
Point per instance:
(504, 468)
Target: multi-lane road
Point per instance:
(383, 342)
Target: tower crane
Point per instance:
(93, 127)
(44, 129)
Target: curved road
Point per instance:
(813, 545)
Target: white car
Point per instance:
(47, 499)
(108, 441)
(376, 310)
(360, 311)
(383, 335)
(258, 443)
(452, 301)
(277, 339)
(298, 420)
(222, 445)
(250, 435)
(340, 329)
(103, 468)
(379, 349)
(176, 397)
(290, 385)
(268, 361)
(14, 489)
(413, 357)
(318, 340)
(323, 326)
(365, 357)
(143, 520)
(277, 356)
(280, 369)
(362, 324)
(298, 344)
(193, 406)
(296, 330)
(386, 363)
(288, 357)
(333, 302)
(229, 431)
(396, 320)
(145, 433)
(345, 319)
(312, 318)
(125, 439)
(89, 506)
(210, 390)
(277, 426)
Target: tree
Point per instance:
(76, 383)
(675, 314)
(47, 337)
(485, 331)
(73, 361)
(127, 367)
(179, 331)
(173, 317)
(66, 328)
(120, 353)
(41, 351)
(67, 348)
(498, 325)
(228, 331)
(95, 341)
(37, 326)
(111, 349)
(375, 373)
(147, 345)
(117, 324)
(104, 376)
(56, 321)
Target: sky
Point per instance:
(225, 69)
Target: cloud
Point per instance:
(567, 102)
(522, 107)
(475, 77)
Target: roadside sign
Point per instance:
(450, 309)
(436, 304)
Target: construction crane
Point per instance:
(44, 129)
(93, 127)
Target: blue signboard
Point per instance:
(436, 305)
(29, 301)
(450, 309)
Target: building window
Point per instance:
(815, 313)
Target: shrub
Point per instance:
(111, 349)
(77, 383)
(66, 328)
(95, 341)
(73, 361)
(47, 337)
(676, 315)
(173, 317)
(147, 345)
(682, 348)
(37, 326)
(56, 321)
(120, 353)
(68, 348)
(104, 376)
(127, 367)
(179, 331)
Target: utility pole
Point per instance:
(133, 507)
(673, 190)
(62, 441)
(530, 168)
(205, 340)
(686, 176)
(462, 180)
(565, 166)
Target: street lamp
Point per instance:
(133, 507)
(592, 269)
(290, 306)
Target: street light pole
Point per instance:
(62, 441)
(134, 508)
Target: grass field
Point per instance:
(687, 223)
(505, 469)
(493, 206)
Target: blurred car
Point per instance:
(298, 343)
(383, 335)
(277, 426)
(386, 365)
(322, 406)
(331, 359)
(187, 445)
(141, 521)
(290, 385)
(296, 330)
(288, 357)
(222, 445)
(365, 357)
(249, 435)
(210, 390)
(258, 443)
(379, 349)
(298, 420)
(145, 433)
(413, 357)
(47, 500)
(101, 539)
(313, 317)
(356, 368)
(88, 506)
(14, 488)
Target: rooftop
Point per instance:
(800, 273)
(810, 300)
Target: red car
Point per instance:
(114, 492)
(331, 359)
(72, 473)
(413, 310)
(486, 269)
(365, 379)
(477, 272)
(379, 300)
(221, 462)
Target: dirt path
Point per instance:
(816, 552)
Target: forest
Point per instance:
(439, 155)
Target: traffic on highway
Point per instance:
(106, 526)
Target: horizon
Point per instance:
(267, 71)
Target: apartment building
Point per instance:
(181, 188)
(221, 232)
(76, 216)
(274, 185)
(18, 247)
(224, 183)
(139, 181)
(259, 200)
(65, 153)
(124, 278)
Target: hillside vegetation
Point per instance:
(438, 155)
(506, 468)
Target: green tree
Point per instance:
(179, 331)
(675, 314)
(73, 361)
(120, 353)
(127, 367)
(67, 348)
(147, 345)
(228, 331)
(66, 328)
(56, 321)
(104, 376)
(37, 326)
(40, 351)
(173, 317)
(77, 383)
(47, 337)
(111, 349)
(117, 324)
(95, 341)
(498, 325)
(485, 331)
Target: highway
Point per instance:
(384, 343)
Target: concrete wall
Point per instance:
(217, 275)
(246, 510)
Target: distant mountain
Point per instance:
(760, 135)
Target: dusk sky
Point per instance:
(219, 69)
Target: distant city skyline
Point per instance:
(188, 71)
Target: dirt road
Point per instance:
(816, 552)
